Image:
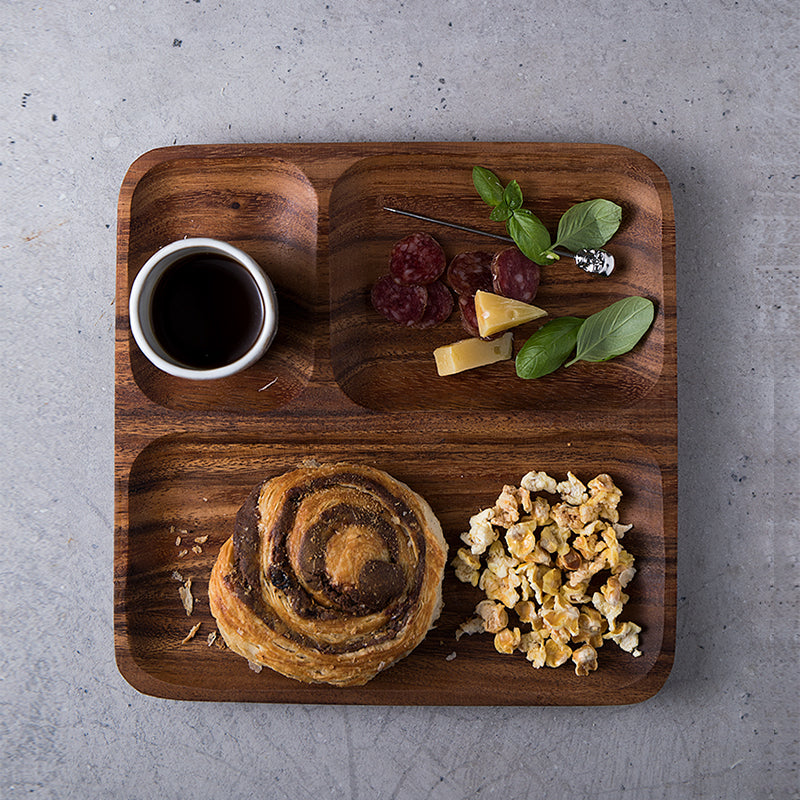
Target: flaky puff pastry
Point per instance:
(333, 573)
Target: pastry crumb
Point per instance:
(212, 637)
(176, 576)
(197, 549)
(189, 636)
(201, 539)
(178, 541)
(185, 592)
(255, 667)
(182, 553)
(451, 656)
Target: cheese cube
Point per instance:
(496, 313)
(471, 353)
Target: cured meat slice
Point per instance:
(439, 307)
(514, 275)
(404, 305)
(471, 271)
(418, 258)
(469, 318)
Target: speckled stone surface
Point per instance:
(708, 90)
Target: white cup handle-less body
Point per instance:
(141, 301)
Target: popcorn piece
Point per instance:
(609, 600)
(613, 547)
(481, 533)
(526, 611)
(540, 511)
(521, 539)
(554, 539)
(506, 641)
(560, 616)
(494, 616)
(502, 589)
(626, 636)
(506, 510)
(591, 626)
(576, 594)
(621, 530)
(533, 575)
(539, 556)
(467, 566)
(538, 482)
(556, 654)
(624, 570)
(551, 582)
(585, 660)
(587, 542)
(498, 562)
(572, 491)
(587, 570)
(605, 496)
(570, 561)
(533, 645)
(474, 625)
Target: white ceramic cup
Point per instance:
(141, 308)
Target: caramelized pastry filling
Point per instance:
(339, 545)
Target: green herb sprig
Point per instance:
(602, 336)
(585, 225)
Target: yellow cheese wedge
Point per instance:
(496, 313)
(471, 353)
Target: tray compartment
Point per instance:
(268, 208)
(195, 483)
(385, 367)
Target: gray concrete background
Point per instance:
(706, 89)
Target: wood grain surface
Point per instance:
(340, 382)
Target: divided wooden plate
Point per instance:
(340, 382)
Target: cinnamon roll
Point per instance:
(333, 573)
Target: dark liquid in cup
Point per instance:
(206, 311)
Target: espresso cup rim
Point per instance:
(141, 298)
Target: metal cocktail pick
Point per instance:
(596, 262)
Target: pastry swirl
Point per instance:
(332, 574)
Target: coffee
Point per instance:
(206, 311)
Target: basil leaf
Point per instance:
(488, 185)
(614, 330)
(501, 212)
(530, 235)
(512, 196)
(589, 224)
(548, 348)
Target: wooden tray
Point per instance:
(342, 383)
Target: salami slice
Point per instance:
(439, 307)
(471, 271)
(469, 319)
(514, 275)
(418, 258)
(404, 305)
